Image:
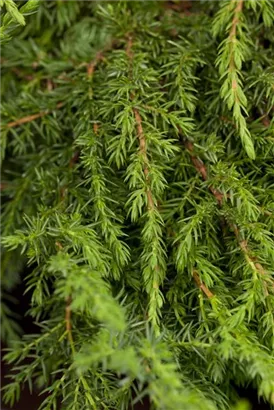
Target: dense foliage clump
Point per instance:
(138, 186)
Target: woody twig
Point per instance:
(201, 285)
(33, 117)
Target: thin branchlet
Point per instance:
(30, 118)
(153, 283)
(231, 56)
(201, 285)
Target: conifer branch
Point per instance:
(153, 282)
(140, 132)
(235, 21)
(142, 147)
(99, 57)
(201, 168)
(252, 261)
(91, 66)
(90, 70)
(231, 56)
(105, 217)
(32, 117)
(72, 162)
(232, 41)
(201, 285)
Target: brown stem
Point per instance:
(91, 66)
(235, 21)
(201, 168)
(95, 128)
(99, 57)
(68, 315)
(59, 245)
(74, 159)
(249, 257)
(129, 51)
(69, 298)
(142, 143)
(201, 285)
(50, 84)
(32, 117)
(265, 120)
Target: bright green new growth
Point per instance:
(137, 185)
(12, 17)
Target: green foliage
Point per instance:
(137, 186)
(14, 17)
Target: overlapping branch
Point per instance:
(155, 297)
(201, 168)
(201, 285)
(90, 71)
(32, 117)
(231, 56)
(140, 131)
(99, 57)
(142, 146)
(232, 39)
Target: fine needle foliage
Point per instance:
(137, 147)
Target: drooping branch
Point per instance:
(230, 60)
(232, 39)
(129, 51)
(32, 117)
(235, 21)
(140, 131)
(252, 261)
(91, 66)
(201, 168)
(201, 285)
(99, 57)
(156, 273)
(143, 151)
(90, 71)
